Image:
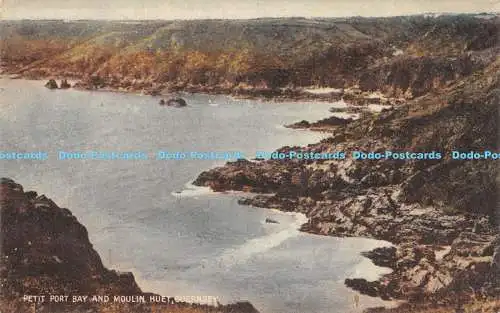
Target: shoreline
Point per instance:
(383, 256)
(383, 200)
(338, 116)
(354, 96)
(301, 219)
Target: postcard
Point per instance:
(234, 156)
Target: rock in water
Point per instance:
(269, 220)
(301, 124)
(162, 102)
(51, 84)
(177, 102)
(65, 84)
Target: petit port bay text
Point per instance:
(118, 299)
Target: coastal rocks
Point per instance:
(65, 84)
(7, 186)
(44, 245)
(418, 273)
(249, 91)
(425, 278)
(385, 257)
(469, 244)
(96, 82)
(374, 179)
(276, 94)
(364, 287)
(321, 124)
(299, 125)
(91, 82)
(408, 255)
(45, 250)
(350, 109)
(496, 253)
(437, 213)
(274, 202)
(176, 102)
(271, 221)
(52, 84)
(242, 175)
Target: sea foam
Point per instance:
(255, 246)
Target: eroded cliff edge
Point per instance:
(441, 215)
(46, 251)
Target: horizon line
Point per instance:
(252, 18)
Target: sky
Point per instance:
(234, 9)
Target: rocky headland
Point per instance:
(440, 214)
(46, 251)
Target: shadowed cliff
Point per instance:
(46, 251)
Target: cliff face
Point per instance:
(33, 228)
(46, 251)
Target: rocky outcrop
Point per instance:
(324, 124)
(91, 82)
(45, 250)
(439, 213)
(51, 84)
(65, 84)
(176, 102)
(271, 221)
